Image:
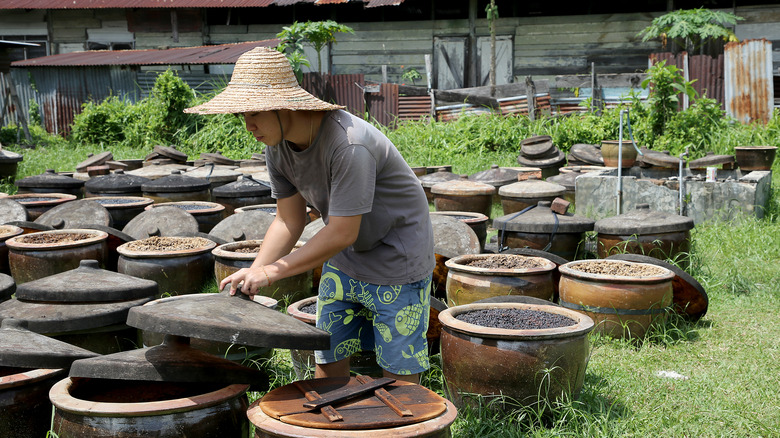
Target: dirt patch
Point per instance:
(53, 238)
(164, 244)
(515, 319)
(607, 267)
(505, 261)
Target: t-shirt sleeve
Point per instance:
(281, 187)
(353, 181)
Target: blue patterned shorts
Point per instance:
(391, 320)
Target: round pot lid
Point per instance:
(245, 186)
(172, 361)
(30, 227)
(688, 296)
(311, 229)
(158, 170)
(7, 156)
(453, 237)
(176, 182)
(659, 159)
(567, 180)
(249, 225)
(7, 287)
(94, 160)
(50, 179)
(86, 284)
(531, 188)
(170, 152)
(536, 146)
(556, 159)
(117, 182)
(462, 187)
(587, 153)
(541, 219)
(20, 347)
(75, 214)
(11, 210)
(224, 318)
(711, 160)
(67, 317)
(495, 176)
(214, 173)
(161, 221)
(441, 175)
(642, 221)
(218, 158)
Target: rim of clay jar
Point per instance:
(14, 231)
(457, 263)
(96, 237)
(584, 323)
(228, 250)
(567, 270)
(28, 377)
(473, 217)
(61, 197)
(753, 148)
(123, 250)
(294, 310)
(213, 207)
(60, 397)
(138, 201)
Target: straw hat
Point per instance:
(262, 80)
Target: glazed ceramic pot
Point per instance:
(467, 281)
(523, 194)
(177, 187)
(122, 208)
(39, 203)
(245, 191)
(610, 150)
(755, 157)
(526, 367)
(476, 221)
(7, 232)
(51, 182)
(24, 400)
(624, 299)
(208, 214)
(463, 195)
(428, 180)
(9, 163)
(116, 184)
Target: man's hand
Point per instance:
(250, 280)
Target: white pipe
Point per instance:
(619, 186)
(680, 181)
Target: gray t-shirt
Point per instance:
(351, 168)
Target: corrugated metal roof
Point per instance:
(14, 44)
(377, 3)
(218, 54)
(330, 2)
(166, 4)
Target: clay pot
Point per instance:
(176, 271)
(104, 408)
(216, 175)
(463, 195)
(24, 401)
(232, 256)
(51, 182)
(245, 191)
(116, 184)
(9, 163)
(451, 238)
(122, 208)
(39, 203)
(522, 194)
(177, 187)
(271, 209)
(466, 284)
(431, 179)
(755, 157)
(622, 306)
(476, 221)
(497, 177)
(609, 151)
(7, 232)
(37, 255)
(208, 214)
(530, 367)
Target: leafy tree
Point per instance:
(318, 34)
(292, 38)
(322, 33)
(690, 29)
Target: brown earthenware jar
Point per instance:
(208, 214)
(7, 232)
(751, 158)
(122, 208)
(39, 203)
(463, 195)
(430, 179)
(51, 182)
(177, 187)
(522, 194)
(476, 221)
(610, 150)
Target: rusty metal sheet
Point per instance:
(383, 106)
(377, 3)
(749, 86)
(413, 107)
(128, 4)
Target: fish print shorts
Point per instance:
(391, 320)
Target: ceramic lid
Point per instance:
(249, 225)
(94, 160)
(158, 170)
(117, 182)
(452, 237)
(214, 173)
(711, 160)
(218, 158)
(441, 175)
(10, 210)
(30, 227)
(161, 221)
(659, 159)
(642, 221)
(462, 187)
(50, 179)
(556, 159)
(86, 284)
(7, 287)
(7, 156)
(170, 152)
(246, 185)
(565, 179)
(587, 153)
(22, 348)
(541, 219)
(495, 176)
(176, 182)
(531, 188)
(75, 214)
(537, 146)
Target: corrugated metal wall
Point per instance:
(749, 80)
(705, 69)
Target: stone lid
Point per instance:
(564, 179)
(587, 153)
(462, 187)
(170, 152)
(161, 221)
(541, 219)
(495, 176)
(94, 160)
(452, 237)
(556, 159)
(30, 227)
(537, 146)
(659, 159)
(218, 158)
(176, 182)
(214, 173)
(244, 186)
(441, 175)
(7, 156)
(116, 183)
(10, 211)
(86, 284)
(249, 225)
(711, 160)
(49, 179)
(7, 287)
(22, 348)
(42, 317)
(158, 170)
(531, 188)
(75, 214)
(643, 221)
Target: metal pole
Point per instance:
(619, 186)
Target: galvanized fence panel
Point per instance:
(749, 80)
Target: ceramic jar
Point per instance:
(463, 195)
(208, 214)
(243, 192)
(527, 367)
(24, 400)
(497, 177)
(51, 182)
(468, 281)
(451, 238)
(624, 299)
(116, 184)
(522, 194)
(9, 163)
(610, 150)
(216, 175)
(751, 158)
(476, 221)
(7, 232)
(177, 187)
(428, 180)
(38, 203)
(122, 208)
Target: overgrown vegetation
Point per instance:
(691, 29)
